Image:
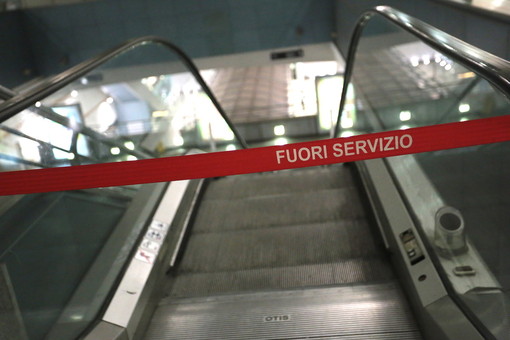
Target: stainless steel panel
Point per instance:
(127, 297)
(107, 331)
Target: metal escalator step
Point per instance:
(274, 210)
(279, 246)
(355, 270)
(285, 181)
(377, 311)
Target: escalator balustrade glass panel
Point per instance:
(62, 253)
(459, 196)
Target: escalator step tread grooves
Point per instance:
(292, 246)
(350, 271)
(294, 228)
(278, 210)
(287, 181)
(278, 246)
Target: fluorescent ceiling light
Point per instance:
(346, 122)
(279, 130)
(463, 108)
(405, 115)
(130, 145)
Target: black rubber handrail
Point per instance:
(17, 103)
(6, 93)
(488, 66)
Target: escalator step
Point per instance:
(278, 210)
(281, 182)
(351, 271)
(279, 246)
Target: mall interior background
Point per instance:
(40, 41)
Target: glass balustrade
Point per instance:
(460, 196)
(62, 252)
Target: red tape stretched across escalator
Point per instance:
(329, 151)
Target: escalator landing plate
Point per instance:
(373, 311)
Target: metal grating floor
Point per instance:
(352, 312)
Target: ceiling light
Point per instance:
(115, 150)
(160, 113)
(346, 122)
(405, 115)
(76, 317)
(178, 140)
(279, 130)
(130, 145)
(463, 108)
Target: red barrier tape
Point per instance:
(337, 150)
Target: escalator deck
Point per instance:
(283, 255)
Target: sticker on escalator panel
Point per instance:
(155, 235)
(145, 256)
(150, 245)
(162, 226)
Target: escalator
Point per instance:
(32, 257)
(345, 251)
(271, 264)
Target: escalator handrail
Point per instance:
(18, 103)
(487, 66)
(490, 67)
(5, 93)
